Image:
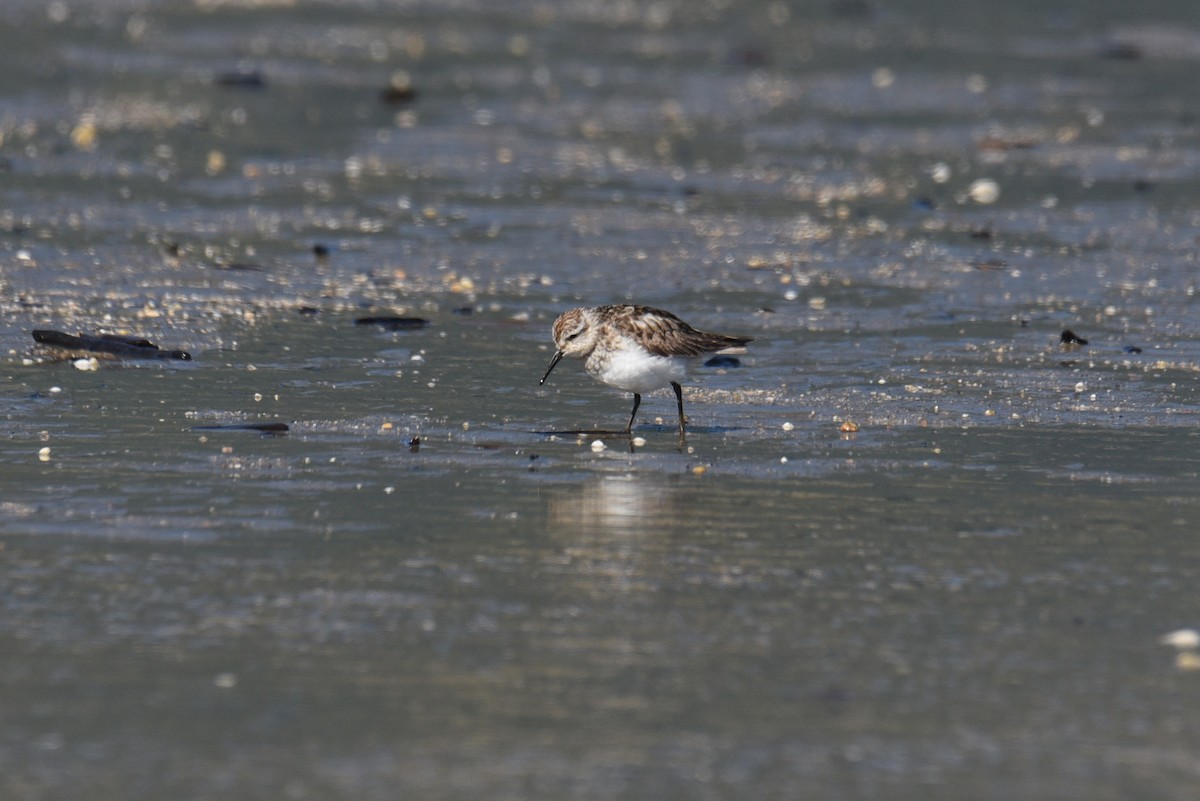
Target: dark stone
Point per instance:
(241, 79)
(1122, 51)
(1069, 337)
(751, 56)
(722, 360)
(262, 428)
(394, 323)
(850, 9)
(398, 95)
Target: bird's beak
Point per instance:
(558, 354)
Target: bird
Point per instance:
(635, 348)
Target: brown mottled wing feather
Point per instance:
(664, 334)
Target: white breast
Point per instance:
(634, 369)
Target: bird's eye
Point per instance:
(574, 336)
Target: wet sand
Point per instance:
(918, 546)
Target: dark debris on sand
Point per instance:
(112, 345)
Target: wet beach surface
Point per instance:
(919, 547)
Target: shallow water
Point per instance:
(416, 591)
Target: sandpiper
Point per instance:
(635, 348)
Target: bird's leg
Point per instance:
(679, 398)
(637, 401)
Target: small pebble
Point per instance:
(86, 364)
(1183, 639)
(44, 454)
(699, 470)
(639, 441)
(83, 135)
(984, 191)
(598, 445)
(789, 426)
(848, 427)
(1187, 660)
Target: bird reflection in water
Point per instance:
(613, 531)
(612, 504)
